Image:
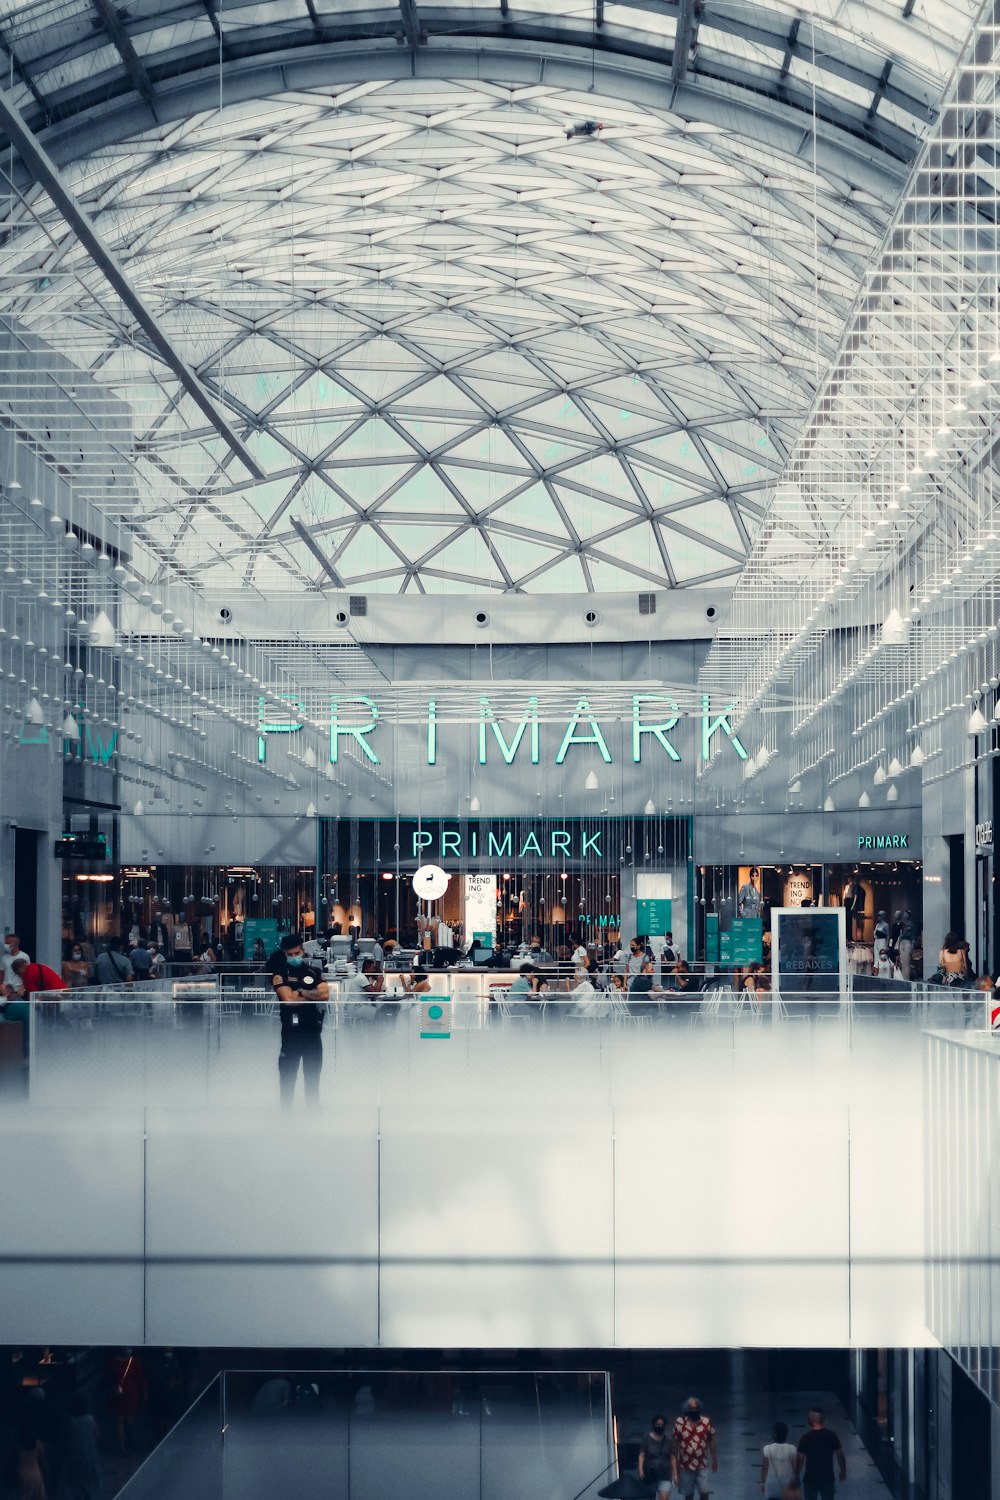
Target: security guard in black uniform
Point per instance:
(302, 995)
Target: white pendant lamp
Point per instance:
(879, 777)
(138, 809)
(828, 805)
(892, 795)
(917, 756)
(101, 632)
(475, 805)
(34, 713)
(70, 728)
(895, 629)
(895, 767)
(309, 758)
(977, 722)
(591, 784)
(864, 800)
(311, 810)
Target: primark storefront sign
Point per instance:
(654, 727)
(510, 842)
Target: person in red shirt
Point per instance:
(36, 978)
(694, 1447)
(33, 979)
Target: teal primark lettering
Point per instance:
(883, 841)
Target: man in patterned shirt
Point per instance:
(694, 1449)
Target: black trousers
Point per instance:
(305, 1046)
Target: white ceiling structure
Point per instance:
(457, 349)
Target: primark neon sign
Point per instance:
(653, 719)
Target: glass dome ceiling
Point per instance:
(464, 350)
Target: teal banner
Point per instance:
(653, 917)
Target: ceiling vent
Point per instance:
(359, 604)
(647, 604)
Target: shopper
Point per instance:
(777, 1463)
(818, 1447)
(126, 1380)
(75, 968)
(111, 965)
(142, 961)
(670, 953)
(80, 1475)
(655, 1457)
(695, 1453)
(13, 950)
(880, 938)
(25, 1471)
(302, 994)
(636, 957)
(953, 960)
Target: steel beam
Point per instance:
(412, 28)
(134, 66)
(45, 172)
(318, 553)
(687, 22)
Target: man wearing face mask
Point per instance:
(302, 995)
(694, 1450)
(656, 1458)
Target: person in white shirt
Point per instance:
(777, 1463)
(884, 967)
(585, 997)
(636, 957)
(13, 950)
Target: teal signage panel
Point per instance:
(711, 937)
(747, 939)
(654, 916)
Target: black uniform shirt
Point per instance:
(304, 978)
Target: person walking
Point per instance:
(817, 1449)
(26, 1471)
(126, 1381)
(111, 965)
(696, 1456)
(777, 1466)
(80, 1475)
(302, 994)
(656, 1467)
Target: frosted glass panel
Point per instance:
(282, 1305)
(284, 1179)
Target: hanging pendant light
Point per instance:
(70, 728)
(311, 810)
(977, 722)
(138, 810)
(895, 767)
(892, 795)
(829, 805)
(475, 805)
(879, 777)
(309, 758)
(34, 714)
(101, 632)
(650, 808)
(591, 783)
(864, 800)
(917, 756)
(895, 629)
